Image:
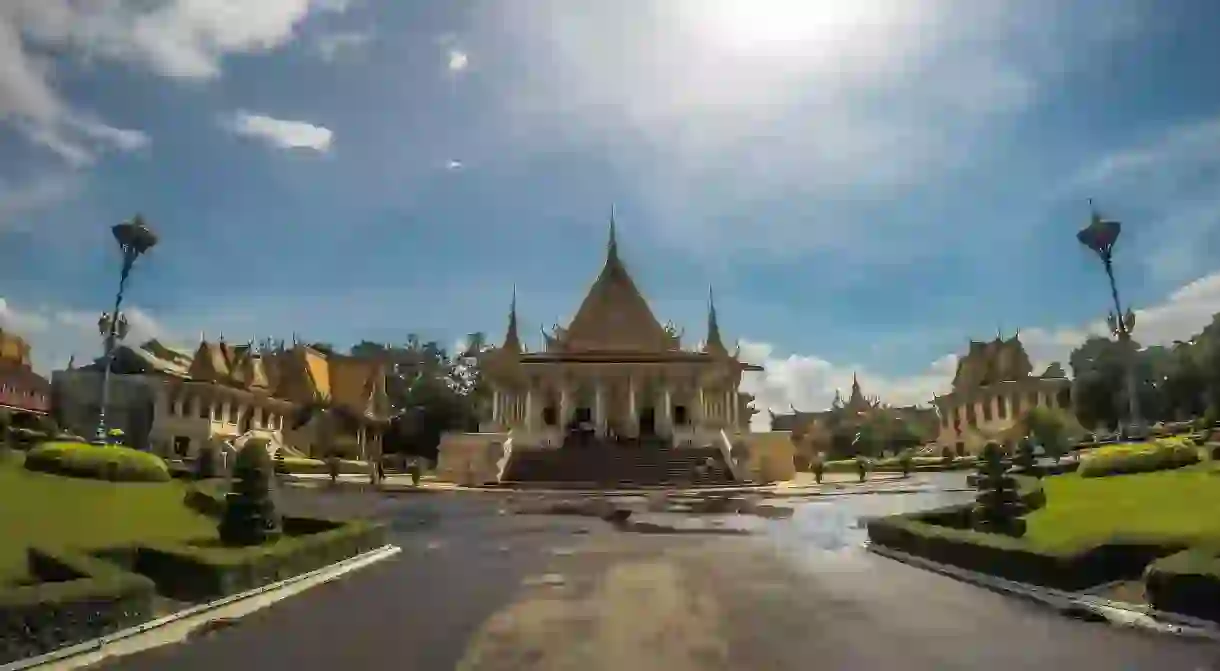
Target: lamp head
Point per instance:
(134, 236)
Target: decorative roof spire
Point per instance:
(714, 343)
(512, 341)
(612, 245)
(856, 394)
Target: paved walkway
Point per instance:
(479, 588)
(803, 484)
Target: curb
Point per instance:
(74, 656)
(1117, 613)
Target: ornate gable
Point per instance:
(614, 317)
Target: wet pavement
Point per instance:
(680, 583)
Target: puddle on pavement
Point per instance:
(829, 522)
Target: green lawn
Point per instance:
(60, 512)
(1172, 505)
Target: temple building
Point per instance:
(22, 391)
(617, 372)
(173, 401)
(852, 413)
(614, 376)
(992, 390)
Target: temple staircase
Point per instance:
(597, 463)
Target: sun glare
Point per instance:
(762, 23)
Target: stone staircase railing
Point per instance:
(505, 457)
(730, 459)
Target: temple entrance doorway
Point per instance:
(648, 422)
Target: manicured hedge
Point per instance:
(894, 465)
(305, 465)
(204, 572)
(1187, 582)
(193, 572)
(82, 598)
(99, 462)
(1157, 455)
(943, 536)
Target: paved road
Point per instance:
(480, 590)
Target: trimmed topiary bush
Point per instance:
(250, 516)
(99, 462)
(998, 506)
(205, 463)
(1026, 462)
(906, 459)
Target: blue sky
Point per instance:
(866, 185)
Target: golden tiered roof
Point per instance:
(299, 374)
(987, 363)
(14, 350)
(614, 323)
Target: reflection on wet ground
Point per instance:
(828, 522)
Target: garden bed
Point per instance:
(83, 558)
(1091, 531)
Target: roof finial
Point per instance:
(612, 245)
(714, 342)
(512, 341)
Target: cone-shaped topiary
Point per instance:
(1026, 462)
(250, 516)
(997, 506)
(205, 463)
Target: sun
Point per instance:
(760, 23)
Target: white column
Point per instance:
(633, 421)
(563, 406)
(598, 413)
(495, 406)
(529, 409)
(733, 409)
(702, 407)
(669, 411)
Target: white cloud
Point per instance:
(55, 334)
(281, 133)
(331, 46)
(1170, 185)
(176, 38)
(458, 60)
(18, 200)
(837, 103)
(808, 382)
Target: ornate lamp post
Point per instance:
(1100, 236)
(134, 238)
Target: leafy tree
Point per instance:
(430, 391)
(250, 516)
(1051, 428)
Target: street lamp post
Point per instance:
(134, 238)
(1100, 236)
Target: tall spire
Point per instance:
(714, 343)
(612, 245)
(512, 341)
(856, 394)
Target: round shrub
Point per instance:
(100, 462)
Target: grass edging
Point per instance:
(83, 597)
(86, 596)
(1187, 582)
(943, 535)
(341, 567)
